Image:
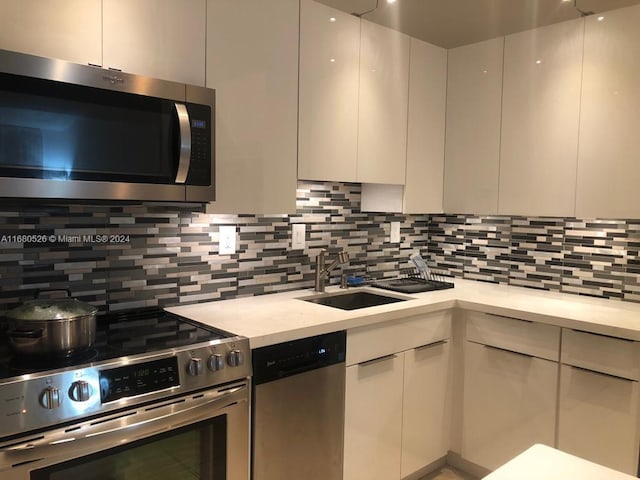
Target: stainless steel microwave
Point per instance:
(72, 131)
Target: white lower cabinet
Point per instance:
(397, 399)
(599, 417)
(425, 406)
(510, 387)
(523, 383)
(509, 404)
(373, 419)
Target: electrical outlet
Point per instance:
(227, 242)
(298, 233)
(394, 236)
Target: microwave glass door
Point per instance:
(69, 132)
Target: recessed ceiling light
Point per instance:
(600, 19)
(538, 62)
(391, 1)
(332, 19)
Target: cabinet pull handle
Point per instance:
(603, 335)
(432, 344)
(491, 347)
(602, 373)
(510, 318)
(377, 360)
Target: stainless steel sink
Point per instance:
(353, 300)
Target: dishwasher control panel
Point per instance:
(298, 356)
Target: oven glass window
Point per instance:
(197, 452)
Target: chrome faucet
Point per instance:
(322, 272)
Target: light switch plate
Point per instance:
(298, 233)
(394, 236)
(227, 243)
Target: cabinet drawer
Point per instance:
(598, 418)
(614, 356)
(369, 342)
(521, 336)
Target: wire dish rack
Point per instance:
(412, 282)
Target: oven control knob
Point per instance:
(80, 391)
(216, 362)
(50, 398)
(235, 358)
(194, 367)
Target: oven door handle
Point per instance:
(184, 126)
(120, 423)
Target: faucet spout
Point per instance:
(322, 271)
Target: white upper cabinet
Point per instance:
(608, 168)
(540, 117)
(383, 102)
(426, 121)
(252, 62)
(328, 103)
(422, 192)
(472, 149)
(157, 38)
(66, 29)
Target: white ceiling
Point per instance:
(451, 23)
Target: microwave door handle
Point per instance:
(185, 142)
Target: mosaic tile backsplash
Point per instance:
(598, 258)
(121, 256)
(125, 256)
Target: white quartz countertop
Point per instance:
(540, 462)
(280, 317)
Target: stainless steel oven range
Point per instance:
(156, 397)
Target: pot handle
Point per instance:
(39, 291)
(26, 333)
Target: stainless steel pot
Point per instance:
(52, 326)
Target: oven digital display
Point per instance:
(132, 380)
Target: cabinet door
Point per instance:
(66, 29)
(509, 404)
(598, 418)
(472, 148)
(383, 101)
(328, 111)
(426, 406)
(425, 136)
(157, 38)
(608, 169)
(252, 62)
(540, 117)
(373, 419)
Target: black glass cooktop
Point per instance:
(118, 334)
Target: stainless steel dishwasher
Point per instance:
(298, 409)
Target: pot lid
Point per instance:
(51, 309)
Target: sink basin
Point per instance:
(353, 300)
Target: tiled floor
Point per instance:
(448, 473)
